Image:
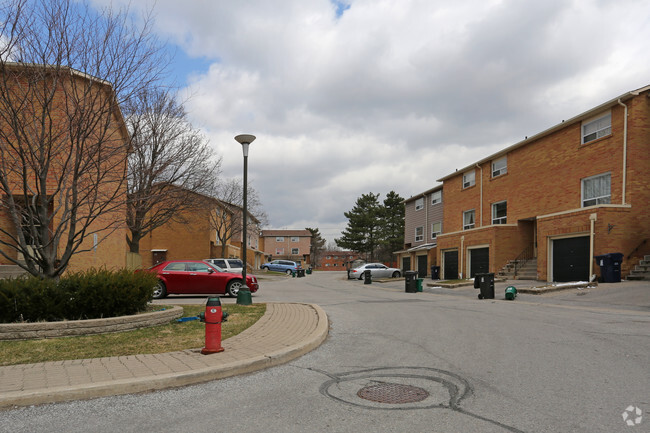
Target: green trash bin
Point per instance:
(419, 284)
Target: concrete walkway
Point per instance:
(285, 332)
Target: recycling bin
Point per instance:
(610, 267)
(435, 272)
(367, 277)
(485, 282)
(410, 281)
(418, 284)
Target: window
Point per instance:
(499, 213)
(279, 251)
(595, 129)
(295, 239)
(597, 190)
(499, 167)
(436, 229)
(294, 251)
(279, 239)
(419, 204)
(419, 234)
(436, 197)
(469, 179)
(468, 219)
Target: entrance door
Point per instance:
(479, 261)
(450, 259)
(406, 264)
(159, 257)
(571, 259)
(422, 266)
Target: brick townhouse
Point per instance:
(294, 245)
(338, 260)
(422, 226)
(103, 244)
(576, 190)
(192, 235)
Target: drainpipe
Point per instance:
(462, 242)
(592, 219)
(624, 149)
(481, 200)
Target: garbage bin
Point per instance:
(308, 271)
(435, 272)
(610, 267)
(418, 285)
(410, 284)
(485, 282)
(367, 277)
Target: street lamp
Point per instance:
(244, 295)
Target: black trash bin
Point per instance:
(610, 267)
(367, 277)
(485, 282)
(410, 281)
(435, 272)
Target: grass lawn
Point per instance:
(164, 338)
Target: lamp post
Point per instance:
(244, 295)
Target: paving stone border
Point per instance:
(29, 331)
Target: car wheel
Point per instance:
(289, 271)
(233, 288)
(159, 290)
(265, 268)
(396, 274)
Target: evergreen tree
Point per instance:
(362, 232)
(392, 226)
(317, 247)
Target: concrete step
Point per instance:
(11, 271)
(645, 276)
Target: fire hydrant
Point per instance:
(213, 317)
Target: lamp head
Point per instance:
(245, 138)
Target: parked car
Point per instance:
(228, 265)
(377, 270)
(197, 277)
(281, 266)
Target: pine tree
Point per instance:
(362, 232)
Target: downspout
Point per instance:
(592, 219)
(462, 242)
(481, 199)
(624, 150)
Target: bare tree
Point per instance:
(169, 162)
(227, 220)
(64, 70)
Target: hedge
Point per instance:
(91, 294)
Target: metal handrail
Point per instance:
(527, 254)
(637, 248)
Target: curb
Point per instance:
(172, 380)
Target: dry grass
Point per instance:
(165, 338)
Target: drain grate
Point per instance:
(393, 393)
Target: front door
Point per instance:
(159, 257)
(450, 260)
(422, 266)
(479, 261)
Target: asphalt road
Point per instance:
(568, 362)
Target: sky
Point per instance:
(356, 96)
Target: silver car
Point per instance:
(229, 265)
(377, 270)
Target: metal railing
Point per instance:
(637, 248)
(523, 258)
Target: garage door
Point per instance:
(451, 265)
(571, 259)
(479, 261)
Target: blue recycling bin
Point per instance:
(610, 267)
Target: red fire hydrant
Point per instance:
(213, 317)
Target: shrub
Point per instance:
(85, 295)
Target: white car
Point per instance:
(377, 270)
(236, 266)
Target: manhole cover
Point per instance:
(393, 393)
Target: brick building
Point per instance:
(337, 260)
(294, 245)
(556, 199)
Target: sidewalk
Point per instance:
(285, 332)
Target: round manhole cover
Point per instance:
(393, 393)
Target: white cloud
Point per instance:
(392, 94)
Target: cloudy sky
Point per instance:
(355, 96)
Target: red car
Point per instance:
(197, 277)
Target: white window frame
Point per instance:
(598, 127)
(419, 237)
(434, 232)
(436, 197)
(419, 203)
(597, 199)
(279, 238)
(279, 251)
(499, 220)
(295, 251)
(295, 239)
(466, 225)
(500, 166)
(469, 178)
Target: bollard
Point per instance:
(511, 293)
(213, 317)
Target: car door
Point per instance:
(382, 271)
(175, 277)
(275, 266)
(201, 278)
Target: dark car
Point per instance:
(197, 277)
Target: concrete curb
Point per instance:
(275, 356)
